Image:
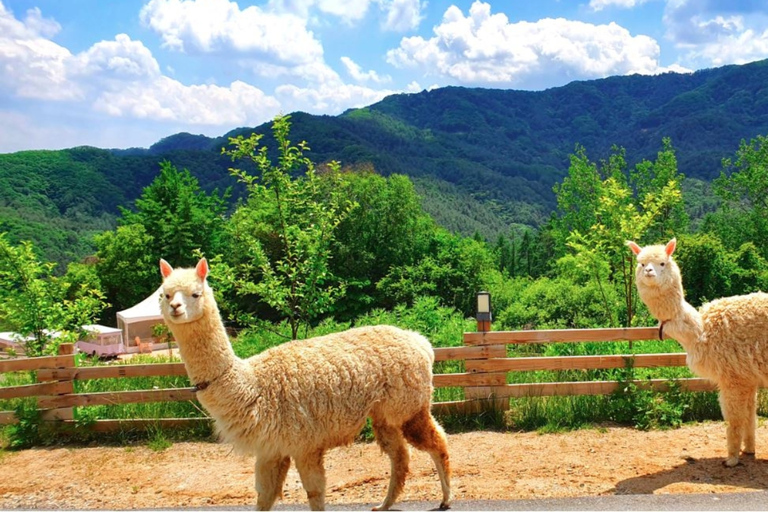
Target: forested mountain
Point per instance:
(483, 159)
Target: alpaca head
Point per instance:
(655, 266)
(184, 292)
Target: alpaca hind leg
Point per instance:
(312, 473)
(270, 477)
(734, 402)
(391, 441)
(423, 432)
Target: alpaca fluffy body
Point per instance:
(301, 398)
(726, 341)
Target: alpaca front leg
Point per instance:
(749, 429)
(734, 402)
(270, 477)
(392, 442)
(312, 473)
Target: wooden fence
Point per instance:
(484, 380)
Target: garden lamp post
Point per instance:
(484, 316)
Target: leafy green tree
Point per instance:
(743, 188)
(36, 304)
(614, 214)
(179, 216)
(453, 270)
(127, 267)
(388, 229)
(284, 232)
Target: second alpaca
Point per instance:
(301, 398)
(726, 341)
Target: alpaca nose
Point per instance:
(175, 305)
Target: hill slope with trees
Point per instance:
(483, 159)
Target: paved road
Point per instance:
(757, 500)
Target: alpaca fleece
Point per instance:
(726, 341)
(301, 398)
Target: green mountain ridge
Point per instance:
(484, 159)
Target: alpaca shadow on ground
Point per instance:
(751, 473)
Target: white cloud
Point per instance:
(169, 100)
(32, 66)
(402, 15)
(599, 5)
(220, 26)
(122, 59)
(329, 98)
(716, 32)
(357, 73)
(486, 49)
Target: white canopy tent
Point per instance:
(139, 319)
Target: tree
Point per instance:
(284, 232)
(127, 266)
(598, 224)
(387, 229)
(743, 188)
(43, 309)
(179, 217)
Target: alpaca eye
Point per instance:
(662, 263)
(196, 295)
(642, 265)
(167, 297)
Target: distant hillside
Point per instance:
(485, 158)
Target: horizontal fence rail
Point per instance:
(484, 356)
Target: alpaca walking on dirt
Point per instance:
(299, 399)
(726, 341)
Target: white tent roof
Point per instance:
(148, 309)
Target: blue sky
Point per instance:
(117, 74)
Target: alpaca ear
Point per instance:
(671, 245)
(165, 268)
(633, 247)
(202, 268)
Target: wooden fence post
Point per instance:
(68, 387)
(485, 395)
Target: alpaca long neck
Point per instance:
(205, 347)
(681, 320)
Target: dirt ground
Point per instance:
(486, 465)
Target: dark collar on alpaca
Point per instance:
(200, 386)
(661, 333)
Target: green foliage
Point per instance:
(599, 212)
(743, 189)
(387, 229)
(36, 304)
(283, 234)
(178, 216)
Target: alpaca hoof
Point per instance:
(444, 506)
(731, 462)
(383, 506)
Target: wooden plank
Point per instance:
(561, 335)
(140, 424)
(36, 363)
(446, 380)
(8, 418)
(117, 397)
(465, 352)
(523, 364)
(462, 407)
(113, 372)
(28, 390)
(595, 387)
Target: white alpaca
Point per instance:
(726, 340)
(299, 399)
